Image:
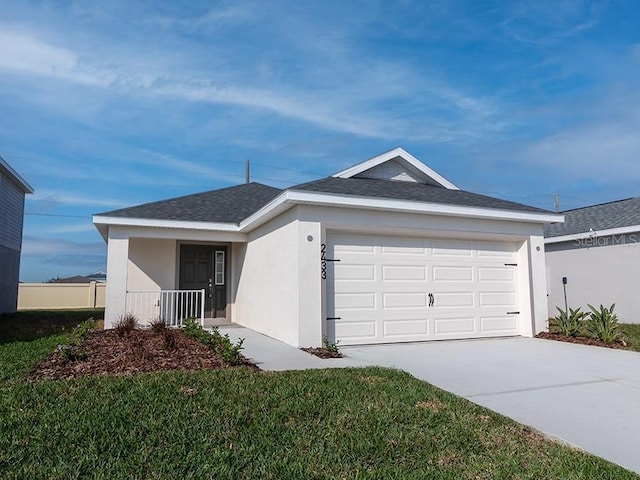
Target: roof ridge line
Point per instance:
(600, 204)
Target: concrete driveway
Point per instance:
(586, 396)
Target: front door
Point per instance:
(205, 267)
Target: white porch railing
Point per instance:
(172, 306)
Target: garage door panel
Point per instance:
(453, 299)
(405, 273)
(500, 324)
(495, 299)
(452, 274)
(458, 326)
(495, 249)
(380, 289)
(391, 301)
(353, 332)
(404, 246)
(452, 248)
(355, 245)
(355, 272)
(496, 274)
(404, 328)
(359, 301)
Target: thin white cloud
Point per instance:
(353, 110)
(544, 23)
(65, 198)
(71, 228)
(24, 53)
(605, 152)
(46, 246)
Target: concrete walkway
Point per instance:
(586, 396)
(271, 354)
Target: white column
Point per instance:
(538, 274)
(117, 260)
(310, 295)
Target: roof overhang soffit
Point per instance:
(289, 198)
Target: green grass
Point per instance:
(34, 324)
(631, 334)
(241, 424)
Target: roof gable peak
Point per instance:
(396, 165)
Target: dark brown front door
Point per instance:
(205, 267)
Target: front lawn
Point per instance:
(33, 324)
(242, 424)
(631, 334)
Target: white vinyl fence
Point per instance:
(172, 306)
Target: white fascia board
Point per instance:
(595, 233)
(178, 224)
(272, 209)
(290, 197)
(385, 157)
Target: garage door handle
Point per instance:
(513, 313)
(334, 318)
(432, 300)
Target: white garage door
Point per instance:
(389, 289)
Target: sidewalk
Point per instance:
(271, 354)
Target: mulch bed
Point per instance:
(139, 351)
(322, 352)
(580, 340)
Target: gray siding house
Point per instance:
(12, 191)
(597, 253)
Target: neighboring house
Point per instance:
(99, 277)
(597, 251)
(384, 251)
(12, 191)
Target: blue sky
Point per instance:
(110, 104)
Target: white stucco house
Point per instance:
(596, 251)
(12, 192)
(384, 251)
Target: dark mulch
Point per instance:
(139, 351)
(322, 352)
(580, 340)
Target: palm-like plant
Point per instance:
(568, 323)
(603, 324)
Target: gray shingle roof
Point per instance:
(227, 205)
(419, 192)
(621, 213)
(234, 204)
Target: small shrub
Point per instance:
(72, 353)
(170, 338)
(603, 324)
(138, 350)
(158, 325)
(84, 328)
(229, 351)
(568, 323)
(125, 325)
(193, 329)
(330, 346)
(221, 344)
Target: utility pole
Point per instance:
(556, 202)
(246, 173)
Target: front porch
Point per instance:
(171, 280)
(173, 307)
